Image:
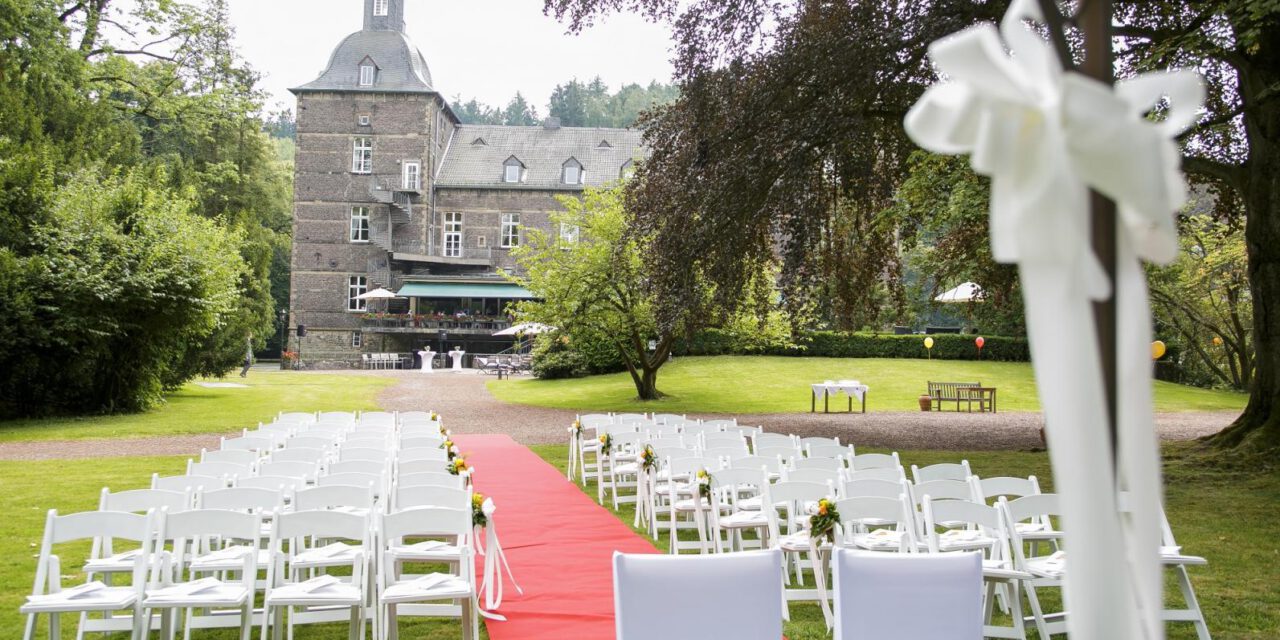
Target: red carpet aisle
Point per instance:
(559, 542)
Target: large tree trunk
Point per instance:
(644, 366)
(1258, 428)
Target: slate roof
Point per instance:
(542, 150)
(401, 67)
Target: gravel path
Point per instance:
(468, 407)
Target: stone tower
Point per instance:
(371, 131)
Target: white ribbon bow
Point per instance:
(495, 561)
(1045, 137)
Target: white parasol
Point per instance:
(377, 294)
(525, 328)
(966, 292)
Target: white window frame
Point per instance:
(368, 73)
(357, 339)
(364, 120)
(453, 235)
(411, 174)
(360, 227)
(482, 241)
(511, 173)
(568, 233)
(356, 285)
(510, 235)
(577, 174)
(380, 7)
(362, 155)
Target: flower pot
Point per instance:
(926, 402)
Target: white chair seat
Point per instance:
(215, 593)
(101, 598)
(433, 586)
(1174, 556)
(1001, 570)
(1050, 566)
(744, 520)
(338, 553)
(1037, 531)
(425, 551)
(689, 505)
(964, 540)
(118, 563)
(878, 540)
(628, 468)
(228, 559)
(333, 592)
(799, 541)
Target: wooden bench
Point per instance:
(952, 392)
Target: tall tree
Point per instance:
(519, 113)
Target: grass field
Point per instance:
(196, 409)
(1227, 516)
(764, 384)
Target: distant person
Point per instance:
(248, 356)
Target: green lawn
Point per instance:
(196, 409)
(764, 384)
(1226, 516)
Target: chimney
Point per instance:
(551, 123)
(384, 15)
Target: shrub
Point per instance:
(834, 344)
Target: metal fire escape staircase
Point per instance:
(399, 210)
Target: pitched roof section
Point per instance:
(401, 67)
(543, 152)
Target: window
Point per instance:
(380, 7)
(571, 172)
(453, 235)
(510, 230)
(512, 170)
(359, 224)
(356, 286)
(367, 74)
(482, 241)
(412, 175)
(628, 169)
(362, 155)
(364, 121)
(568, 233)
(357, 339)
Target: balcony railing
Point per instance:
(410, 321)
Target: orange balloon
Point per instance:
(1157, 350)
(980, 341)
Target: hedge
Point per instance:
(832, 344)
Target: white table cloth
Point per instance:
(427, 357)
(851, 388)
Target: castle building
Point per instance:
(392, 191)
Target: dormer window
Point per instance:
(367, 74)
(571, 172)
(628, 169)
(380, 7)
(512, 170)
(604, 144)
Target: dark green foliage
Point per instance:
(577, 104)
(835, 344)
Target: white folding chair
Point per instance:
(1048, 571)
(339, 497)
(196, 537)
(788, 533)
(918, 596)
(420, 442)
(317, 541)
(826, 450)
(733, 487)
(186, 483)
(942, 471)
(436, 478)
(864, 461)
(834, 465)
(278, 483)
(661, 597)
(446, 532)
(244, 457)
(247, 443)
(363, 453)
(50, 598)
(892, 474)
(423, 453)
(410, 497)
(297, 454)
(307, 471)
(357, 466)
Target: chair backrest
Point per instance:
(820, 476)
(962, 512)
(352, 479)
(762, 440)
(942, 471)
(667, 418)
(363, 453)
(792, 496)
(631, 417)
(430, 496)
(356, 466)
(883, 595)
(290, 469)
(332, 497)
(772, 463)
(719, 425)
(298, 454)
(984, 489)
(377, 417)
(248, 443)
(591, 420)
(785, 453)
(657, 440)
(320, 523)
(244, 457)
(735, 483)
(872, 487)
(321, 441)
(101, 527)
(285, 483)
(744, 431)
(819, 441)
(420, 466)
(690, 428)
(824, 450)
(296, 417)
(720, 438)
(186, 483)
(415, 454)
(882, 512)
(425, 522)
(435, 478)
(143, 500)
(835, 465)
(864, 461)
(336, 416)
(420, 442)
(940, 490)
(242, 499)
(657, 597)
(893, 474)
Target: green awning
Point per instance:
(486, 290)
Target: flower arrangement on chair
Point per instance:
(648, 459)
(450, 448)
(478, 517)
(606, 444)
(457, 465)
(824, 521)
(576, 429)
(704, 485)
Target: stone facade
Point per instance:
(377, 92)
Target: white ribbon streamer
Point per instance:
(1045, 137)
(575, 450)
(495, 561)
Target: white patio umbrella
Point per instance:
(966, 292)
(525, 328)
(1046, 136)
(377, 294)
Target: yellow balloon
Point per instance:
(928, 343)
(1217, 341)
(1157, 350)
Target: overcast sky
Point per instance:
(486, 49)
